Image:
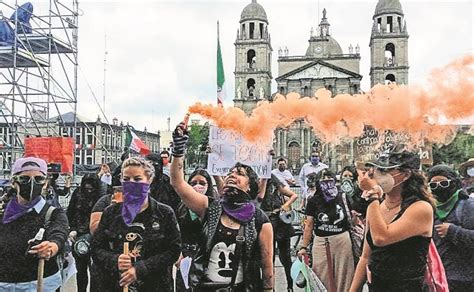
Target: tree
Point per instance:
(198, 140)
(455, 153)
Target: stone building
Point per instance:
(324, 65)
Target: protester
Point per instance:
(454, 227)
(52, 191)
(333, 261)
(150, 228)
(165, 158)
(24, 216)
(228, 263)
(399, 226)
(467, 172)
(161, 189)
(313, 166)
(189, 222)
(350, 186)
(283, 174)
(79, 211)
(276, 199)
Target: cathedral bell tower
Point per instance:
(253, 55)
(389, 44)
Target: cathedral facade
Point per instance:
(324, 65)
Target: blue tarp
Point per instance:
(24, 15)
(6, 33)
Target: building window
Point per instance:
(389, 54)
(251, 59)
(389, 78)
(252, 30)
(251, 86)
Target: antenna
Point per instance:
(105, 71)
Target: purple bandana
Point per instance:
(15, 210)
(237, 205)
(329, 189)
(134, 195)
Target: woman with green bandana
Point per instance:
(454, 226)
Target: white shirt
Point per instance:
(283, 176)
(308, 168)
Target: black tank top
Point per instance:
(399, 261)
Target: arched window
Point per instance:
(251, 86)
(282, 90)
(251, 59)
(389, 78)
(306, 91)
(294, 152)
(390, 54)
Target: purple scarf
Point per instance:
(15, 210)
(329, 189)
(134, 195)
(237, 205)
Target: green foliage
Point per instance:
(198, 139)
(455, 153)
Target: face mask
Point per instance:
(315, 160)
(134, 195)
(329, 189)
(29, 191)
(347, 186)
(200, 189)
(470, 172)
(281, 168)
(237, 204)
(386, 181)
(165, 161)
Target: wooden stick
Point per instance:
(39, 285)
(125, 252)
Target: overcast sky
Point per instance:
(162, 54)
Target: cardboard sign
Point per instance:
(52, 149)
(228, 148)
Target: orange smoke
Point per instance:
(415, 110)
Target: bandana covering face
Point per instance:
(15, 210)
(237, 205)
(329, 189)
(315, 160)
(443, 209)
(347, 186)
(134, 195)
(200, 189)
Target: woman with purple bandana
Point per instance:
(149, 227)
(237, 238)
(326, 217)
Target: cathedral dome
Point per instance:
(388, 6)
(253, 11)
(323, 47)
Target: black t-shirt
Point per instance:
(102, 203)
(273, 199)
(329, 217)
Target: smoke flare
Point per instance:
(415, 110)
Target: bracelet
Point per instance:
(371, 200)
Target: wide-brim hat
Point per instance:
(464, 166)
(404, 159)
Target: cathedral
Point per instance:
(324, 65)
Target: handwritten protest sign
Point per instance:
(229, 147)
(52, 149)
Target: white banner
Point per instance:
(229, 147)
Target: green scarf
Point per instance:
(443, 209)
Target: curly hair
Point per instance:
(253, 178)
(141, 162)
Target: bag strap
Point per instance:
(428, 265)
(240, 239)
(348, 213)
(47, 217)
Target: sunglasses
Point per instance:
(443, 184)
(202, 183)
(26, 179)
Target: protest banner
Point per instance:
(229, 147)
(52, 149)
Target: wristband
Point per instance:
(371, 200)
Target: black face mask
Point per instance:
(442, 195)
(31, 190)
(281, 168)
(233, 195)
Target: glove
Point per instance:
(180, 139)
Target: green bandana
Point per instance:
(193, 215)
(443, 209)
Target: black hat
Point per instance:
(442, 170)
(404, 159)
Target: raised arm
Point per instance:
(192, 199)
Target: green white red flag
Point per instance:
(135, 143)
(220, 72)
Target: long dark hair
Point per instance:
(210, 189)
(415, 188)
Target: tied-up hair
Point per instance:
(253, 178)
(140, 162)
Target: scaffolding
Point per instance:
(38, 72)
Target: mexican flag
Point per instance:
(134, 143)
(220, 72)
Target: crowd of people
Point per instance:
(374, 223)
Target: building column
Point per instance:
(285, 144)
(302, 140)
(277, 142)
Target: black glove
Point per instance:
(180, 139)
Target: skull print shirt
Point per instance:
(222, 259)
(329, 217)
